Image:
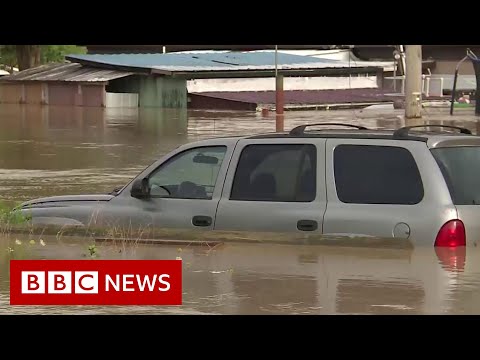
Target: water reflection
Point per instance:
(59, 150)
(282, 279)
(275, 293)
(380, 297)
(452, 259)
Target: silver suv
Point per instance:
(405, 183)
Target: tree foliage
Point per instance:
(8, 57)
(27, 56)
(56, 53)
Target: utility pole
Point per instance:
(413, 82)
(279, 96)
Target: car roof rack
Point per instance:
(300, 130)
(403, 132)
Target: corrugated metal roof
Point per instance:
(219, 61)
(223, 59)
(66, 72)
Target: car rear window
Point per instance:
(369, 174)
(461, 169)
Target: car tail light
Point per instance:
(452, 234)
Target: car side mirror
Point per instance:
(140, 189)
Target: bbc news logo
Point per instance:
(95, 282)
(59, 282)
(86, 282)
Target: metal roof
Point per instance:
(116, 49)
(223, 59)
(69, 72)
(308, 65)
(220, 62)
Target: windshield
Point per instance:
(461, 169)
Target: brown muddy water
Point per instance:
(280, 279)
(50, 151)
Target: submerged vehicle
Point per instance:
(315, 179)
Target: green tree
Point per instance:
(8, 57)
(56, 53)
(28, 56)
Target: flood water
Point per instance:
(62, 150)
(50, 151)
(280, 279)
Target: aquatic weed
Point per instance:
(93, 251)
(11, 217)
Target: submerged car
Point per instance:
(397, 184)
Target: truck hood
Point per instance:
(61, 200)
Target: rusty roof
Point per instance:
(70, 72)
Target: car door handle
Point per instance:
(307, 225)
(202, 220)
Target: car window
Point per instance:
(191, 174)
(280, 172)
(367, 174)
(461, 169)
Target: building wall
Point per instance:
(63, 94)
(162, 92)
(448, 67)
(60, 94)
(121, 100)
(93, 95)
(34, 93)
(289, 83)
(129, 84)
(11, 93)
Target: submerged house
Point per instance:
(166, 80)
(315, 76)
(68, 84)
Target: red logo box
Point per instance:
(95, 282)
